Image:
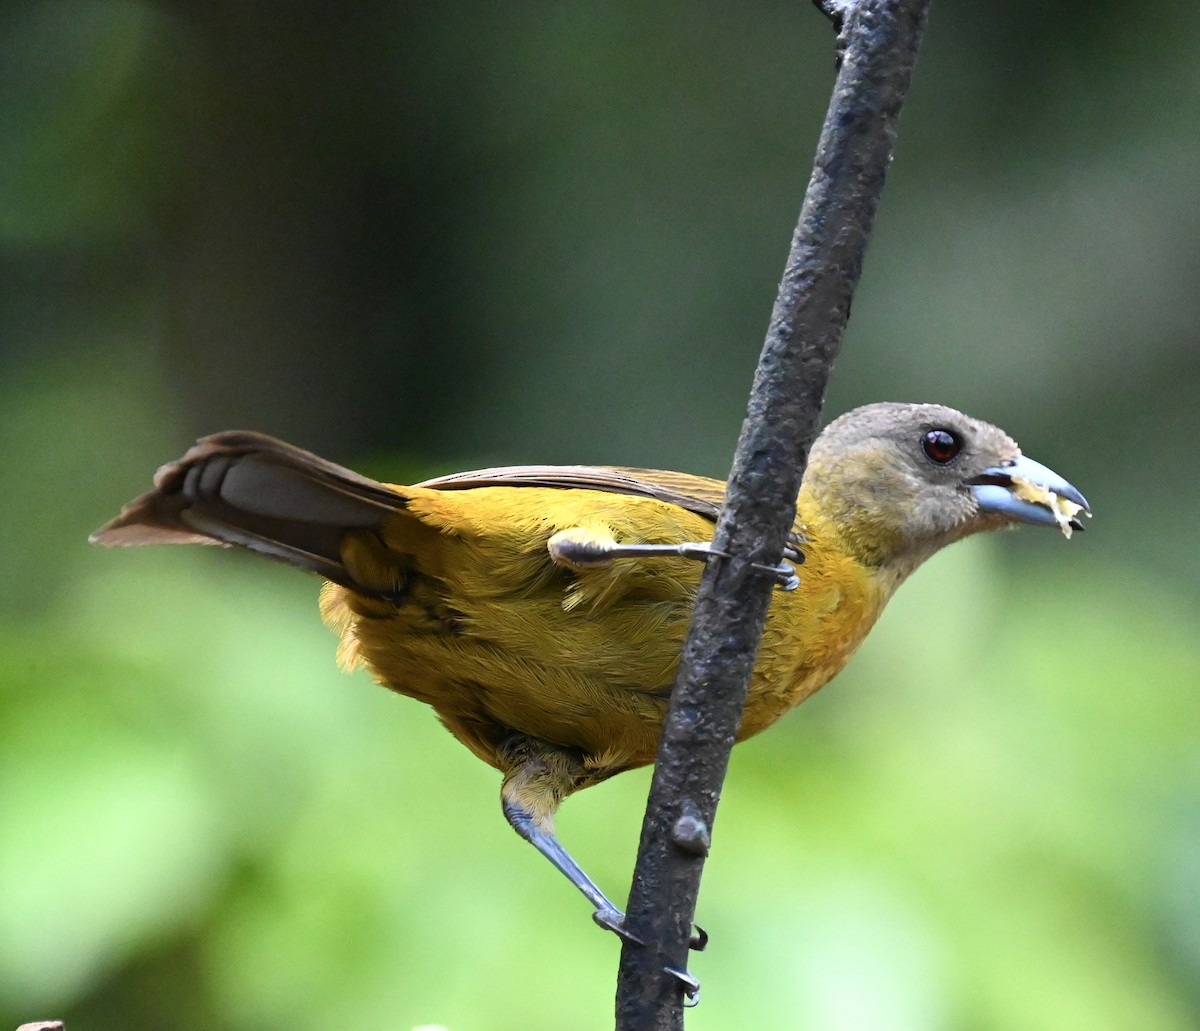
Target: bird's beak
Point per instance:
(1026, 491)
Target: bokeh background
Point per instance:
(421, 238)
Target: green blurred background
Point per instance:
(420, 238)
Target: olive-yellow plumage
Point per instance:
(494, 636)
(519, 604)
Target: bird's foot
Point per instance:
(614, 920)
(784, 574)
(786, 578)
(690, 986)
(579, 548)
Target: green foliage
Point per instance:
(426, 241)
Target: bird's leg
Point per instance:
(581, 548)
(539, 777)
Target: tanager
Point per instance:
(541, 610)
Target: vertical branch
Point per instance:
(879, 42)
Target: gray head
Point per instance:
(895, 482)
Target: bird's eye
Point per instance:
(941, 446)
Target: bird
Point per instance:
(540, 610)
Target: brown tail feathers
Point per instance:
(257, 492)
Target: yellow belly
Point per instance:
(493, 635)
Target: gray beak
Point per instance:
(995, 492)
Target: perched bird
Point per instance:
(541, 610)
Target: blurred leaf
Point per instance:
(75, 88)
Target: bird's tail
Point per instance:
(250, 490)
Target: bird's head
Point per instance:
(892, 483)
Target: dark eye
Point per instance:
(941, 446)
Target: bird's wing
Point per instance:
(696, 494)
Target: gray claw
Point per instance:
(785, 575)
(614, 920)
(691, 987)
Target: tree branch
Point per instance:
(878, 44)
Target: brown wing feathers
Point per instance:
(697, 494)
